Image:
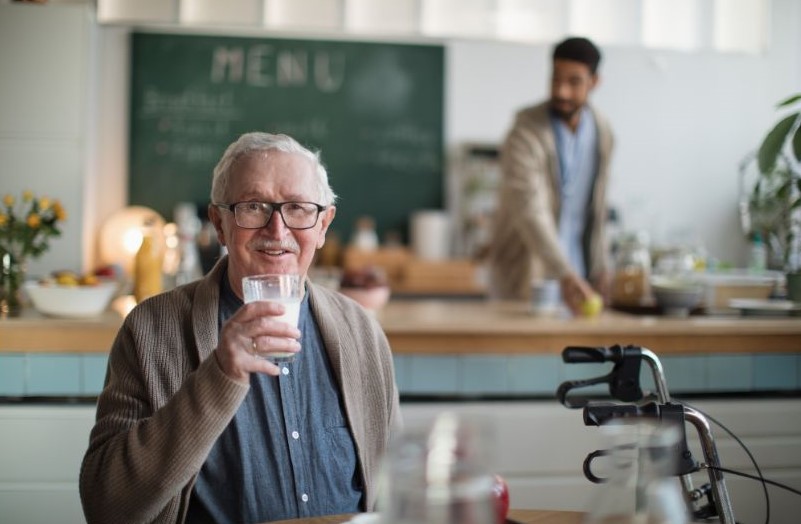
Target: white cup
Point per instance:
(284, 289)
(545, 297)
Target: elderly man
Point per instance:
(192, 426)
(552, 204)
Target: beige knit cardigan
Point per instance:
(165, 402)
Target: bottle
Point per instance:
(188, 227)
(364, 236)
(148, 265)
(758, 258)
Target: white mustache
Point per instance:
(287, 244)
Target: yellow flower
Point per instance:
(27, 223)
(59, 212)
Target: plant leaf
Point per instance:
(771, 146)
(797, 144)
(789, 101)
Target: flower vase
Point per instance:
(12, 276)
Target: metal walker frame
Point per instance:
(624, 386)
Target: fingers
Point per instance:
(575, 291)
(251, 332)
(264, 346)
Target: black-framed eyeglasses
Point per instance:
(255, 215)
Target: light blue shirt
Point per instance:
(578, 165)
(288, 452)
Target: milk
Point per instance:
(291, 310)
(281, 289)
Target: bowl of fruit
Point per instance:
(71, 295)
(366, 285)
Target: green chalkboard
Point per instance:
(373, 110)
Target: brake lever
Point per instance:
(564, 387)
(623, 380)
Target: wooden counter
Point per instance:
(465, 327)
(445, 327)
(33, 333)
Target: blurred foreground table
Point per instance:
(521, 516)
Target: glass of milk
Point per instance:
(286, 290)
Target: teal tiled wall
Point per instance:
(776, 372)
(53, 375)
(729, 373)
(93, 373)
(540, 375)
(46, 374)
(468, 375)
(12, 375)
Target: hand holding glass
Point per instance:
(284, 289)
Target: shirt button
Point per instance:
(285, 371)
(304, 498)
(295, 435)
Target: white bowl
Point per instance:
(676, 296)
(370, 298)
(71, 301)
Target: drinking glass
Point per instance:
(439, 474)
(284, 289)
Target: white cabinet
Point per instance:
(41, 448)
(539, 449)
(541, 446)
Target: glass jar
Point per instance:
(631, 282)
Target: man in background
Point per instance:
(551, 210)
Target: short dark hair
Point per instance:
(578, 49)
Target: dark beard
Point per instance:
(562, 114)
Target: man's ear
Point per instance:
(595, 81)
(326, 219)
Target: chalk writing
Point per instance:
(262, 65)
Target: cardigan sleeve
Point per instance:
(143, 453)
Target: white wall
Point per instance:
(683, 122)
(44, 114)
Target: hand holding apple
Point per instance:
(593, 306)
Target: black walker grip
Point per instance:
(579, 355)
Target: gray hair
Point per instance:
(257, 142)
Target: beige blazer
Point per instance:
(525, 239)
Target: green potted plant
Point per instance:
(775, 201)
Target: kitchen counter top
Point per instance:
(465, 327)
(478, 326)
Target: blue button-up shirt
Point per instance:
(288, 452)
(578, 163)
